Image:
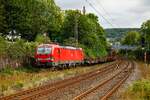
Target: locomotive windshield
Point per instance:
(44, 50)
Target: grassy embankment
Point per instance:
(140, 90)
(13, 80)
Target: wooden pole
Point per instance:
(76, 30)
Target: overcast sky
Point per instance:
(121, 13)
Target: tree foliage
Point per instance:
(119, 33)
(2, 18)
(131, 38)
(3, 46)
(70, 18)
(146, 31)
(90, 34)
(40, 38)
(31, 17)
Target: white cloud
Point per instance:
(124, 13)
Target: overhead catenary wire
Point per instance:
(106, 12)
(99, 13)
(103, 8)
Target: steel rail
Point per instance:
(53, 86)
(82, 95)
(116, 87)
(50, 90)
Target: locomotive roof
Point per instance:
(65, 47)
(69, 47)
(48, 45)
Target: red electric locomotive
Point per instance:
(55, 55)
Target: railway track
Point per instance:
(117, 80)
(46, 89)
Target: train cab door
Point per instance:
(57, 55)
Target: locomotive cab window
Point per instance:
(44, 50)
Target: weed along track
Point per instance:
(79, 87)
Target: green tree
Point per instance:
(40, 38)
(70, 19)
(146, 32)
(31, 17)
(3, 46)
(131, 38)
(70, 42)
(2, 18)
(91, 35)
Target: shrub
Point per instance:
(7, 70)
(142, 87)
(16, 50)
(40, 38)
(4, 88)
(16, 54)
(18, 86)
(3, 46)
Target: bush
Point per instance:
(7, 70)
(18, 86)
(94, 52)
(16, 54)
(142, 87)
(3, 46)
(40, 38)
(16, 50)
(4, 88)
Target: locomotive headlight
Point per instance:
(43, 59)
(39, 59)
(47, 59)
(50, 58)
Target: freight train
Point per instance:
(55, 55)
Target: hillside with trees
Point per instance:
(118, 33)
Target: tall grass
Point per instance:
(139, 90)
